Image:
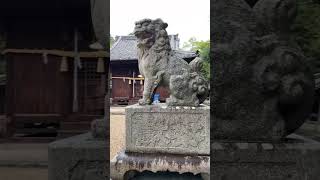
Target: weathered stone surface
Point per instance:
(78, 158)
(126, 165)
(261, 86)
(167, 129)
(100, 129)
(159, 66)
(147, 175)
(101, 22)
(295, 159)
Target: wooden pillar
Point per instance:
(133, 83)
(107, 93)
(318, 110)
(10, 98)
(75, 105)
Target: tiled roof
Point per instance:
(125, 48)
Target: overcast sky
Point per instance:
(188, 18)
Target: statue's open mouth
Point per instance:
(142, 33)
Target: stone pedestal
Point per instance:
(159, 128)
(296, 159)
(82, 157)
(128, 165)
(164, 139)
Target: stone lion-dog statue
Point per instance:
(159, 65)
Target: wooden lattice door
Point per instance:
(92, 88)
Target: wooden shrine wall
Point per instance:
(37, 88)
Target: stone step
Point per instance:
(69, 133)
(30, 131)
(75, 125)
(83, 118)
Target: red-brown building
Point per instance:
(55, 84)
(127, 83)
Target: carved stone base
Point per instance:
(80, 157)
(296, 159)
(129, 165)
(159, 128)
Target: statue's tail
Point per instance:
(200, 84)
(196, 65)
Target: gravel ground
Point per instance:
(117, 134)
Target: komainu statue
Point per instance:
(261, 87)
(159, 66)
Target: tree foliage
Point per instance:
(203, 47)
(111, 41)
(306, 30)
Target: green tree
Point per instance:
(306, 30)
(203, 47)
(111, 41)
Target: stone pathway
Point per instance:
(117, 134)
(117, 110)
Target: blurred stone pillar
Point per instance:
(100, 20)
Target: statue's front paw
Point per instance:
(171, 102)
(196, 103)
(278, 130)
(143, 102)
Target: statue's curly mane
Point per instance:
(153, 37)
